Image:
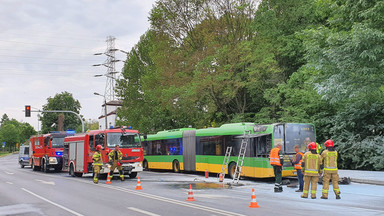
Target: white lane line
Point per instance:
(142, 211)
(45, 182)
(9, 182)
(9, 173)
(53, 203)
(177, 202)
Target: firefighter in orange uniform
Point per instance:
(276, 160)
(329, 157)
(297, 164)
(311, 168)
(115, 157)
(97, 163)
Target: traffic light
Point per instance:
(27, 111)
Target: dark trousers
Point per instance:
(300, 178)
(277, 170)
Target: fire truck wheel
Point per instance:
(78, 174)
(145, 165)
(71, 170)
(176, 166)
(34, 168)
(103, 176)
(133, 175)
(45, 168)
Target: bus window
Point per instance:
(299, 134)
(278, 135)
(173, 147)
(263, 145)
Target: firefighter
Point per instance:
(115, 157)
(97, 163)
(329, 157)
(311, 168)
(276, 160)
(297, 165)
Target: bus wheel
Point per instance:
(133, 175)
(71, 171)
(231, 169)
(145, 165)
(176, 166)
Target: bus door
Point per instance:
(189, 150)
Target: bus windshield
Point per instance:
(124, 140)
(57, 142)
(298, 134)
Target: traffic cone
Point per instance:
(221, 179)
(138, 187)
(108, 179)
(253, 201)
(190, 194)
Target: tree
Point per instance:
(62, 101)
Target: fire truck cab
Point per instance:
(79, 149)
(46, 151)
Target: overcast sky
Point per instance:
(47, 47)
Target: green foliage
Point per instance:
(13, 132)
(209, 62)
(62, 101)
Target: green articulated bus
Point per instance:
(190, 149)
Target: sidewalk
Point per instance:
(364, 177)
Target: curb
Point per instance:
(365, 181)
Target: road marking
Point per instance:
(9, 182)
(173, 201)
(9, 173)
(53, 203)
(46, 182)
(142, 211)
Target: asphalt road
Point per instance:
(25, 192)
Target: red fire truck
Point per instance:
(79, 149)
(46, 151)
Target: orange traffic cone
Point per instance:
(108, 179)
(190, 194)
(253, 201)
(138, 187)
(221, 177)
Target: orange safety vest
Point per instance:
(298, 165)
(274, 158)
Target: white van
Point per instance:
(24, 156)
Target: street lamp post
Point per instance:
(105, 109)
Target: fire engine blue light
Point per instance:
(59, 153)
(71, 131)
(129, 127)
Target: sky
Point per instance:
(47, 47)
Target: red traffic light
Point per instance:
(27, 111)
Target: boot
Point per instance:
(338, 196)
(298, 190)
(303, 196)
(323, 197)
(277, 190)
(280, 189)
(121, 175)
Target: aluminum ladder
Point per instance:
(226, 161)
(240, 161)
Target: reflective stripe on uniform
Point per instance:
(336, 190)
(305, 192)
(313, 192)
(325, 191)
(312, 157)
(274, 158)
(333, 155)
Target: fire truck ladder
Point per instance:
(226, 161)
(240, 160)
